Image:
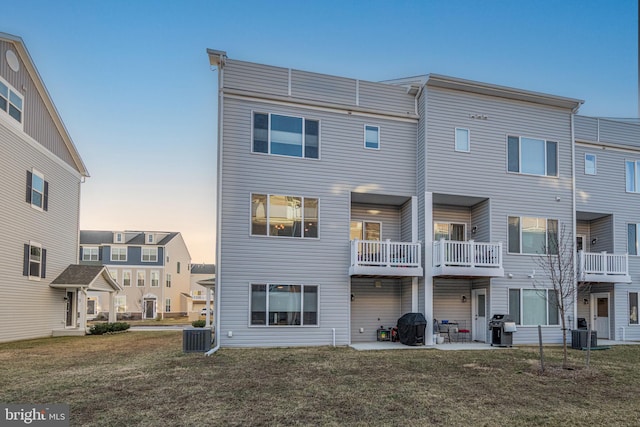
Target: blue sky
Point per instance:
(132, 82)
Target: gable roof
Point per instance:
(93, 277)
(46, 98)
(203, 269)
(102, 237)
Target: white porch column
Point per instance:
(112, 306)
(414, 238)
(428, 265)
(208, 307)
(81, 308)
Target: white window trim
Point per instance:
(595, 164)
(151, 252)
(167, 305)
(455, 136)
(633, 325)
(90, 249)
(119, 248)
(167, 280)
(35, 278)
(116, 235)
(113, 273)
(150, 239)
(144, 280)
(449, 229)
(520, 231)
(266, 325)
(364, 143)
(266, 208)
(6, 116)
(546, 290)
(636, 177)
(151, 274)
(35, 172)
(364, 223)
(130, 278)
(268, 153)
(520, 156)
(118, 298)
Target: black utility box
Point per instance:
(579, 339)
(196, 340)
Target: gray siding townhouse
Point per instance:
(41, 288)
(152, 267)
(343, 204)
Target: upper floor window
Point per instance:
(533, 235)
(90, 253)
(150, 238)
(168, 280)
(589, 164)
(34, 261)
(284, 216)
(113, 274)
(633, 176)
(532, 156)
(118, 237)
(533, 307)
(286, 135)
(372, 137)
(632, 238)
(11, 101)
(149, 254)
(37, 190)
(178, 267)
(126, 278)
(155, 278)
(463, 140)
(141, 276)
(118, 253)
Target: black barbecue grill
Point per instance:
(502, 328)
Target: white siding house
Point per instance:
(344, 204)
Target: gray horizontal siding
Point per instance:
(324, 261)
(388, 216)
(594, 129)
(38, 123)
(319, 87)
(386, 97)
(56, 230)
(373, 307)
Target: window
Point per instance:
(149, 254)
(533, 307)
(120, 303)
(118, 253)
(633, 176)
(533, 235)
(167, 305)
(632, 239)
(284, 305)
(372, 137)
(113, 274)
(155, 278)
(633, 308)
(150, 238)
(449, 231)
(285, 135)
(141, 277)
(178, 267)
(34, 261)
(118, 238)
(168, 280)
(126, 278)
(589, 164)
(284, 216)
(365, 230)
(90, 254)
(11, 101)
(37, 190)
(463, 142)
(532, 156)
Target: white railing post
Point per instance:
(626, 263)
(443, 261)
(500, 254)
(386, 254)
(472, 253)
(580, 263)
(605, 266)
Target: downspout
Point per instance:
(573, 202)
(222, 57)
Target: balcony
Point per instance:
(467, 259)
(198, 296)
(385, 258)
(602, 267)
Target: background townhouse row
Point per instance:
(343, 204)
(152, 267)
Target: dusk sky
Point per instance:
(132, 81)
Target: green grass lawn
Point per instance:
(143, 378)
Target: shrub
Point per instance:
(107, 328)
(198, 323)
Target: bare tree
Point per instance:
(559, 268)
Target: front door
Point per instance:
(600, 313)
(149, 309)
(479, 314)
(69, 309)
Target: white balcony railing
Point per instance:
(603, 267)
(196, 296)
(375, 257)
(467, 258)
